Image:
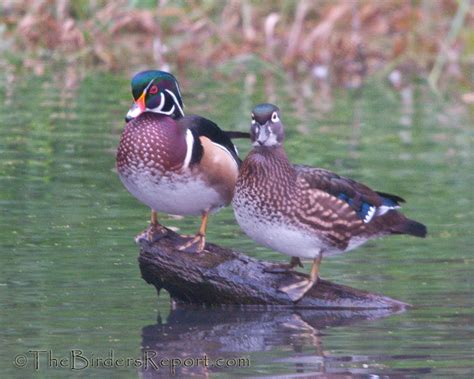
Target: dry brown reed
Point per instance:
(340, 42)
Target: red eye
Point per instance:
(153, 90)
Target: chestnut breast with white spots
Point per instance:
(151, 142)
(151, 163)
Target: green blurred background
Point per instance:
(380, 91)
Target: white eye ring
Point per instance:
(253, 119)
(275, 117)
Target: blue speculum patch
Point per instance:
(364, 207)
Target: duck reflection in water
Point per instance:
(250, 335)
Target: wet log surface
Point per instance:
(221, 276)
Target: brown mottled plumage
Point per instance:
(306, 212)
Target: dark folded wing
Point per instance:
(365, 202)
(202, 127)
(236, 134)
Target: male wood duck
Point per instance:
(177, 164)
(306, 212)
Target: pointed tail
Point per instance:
(411, 227)
(234, 134)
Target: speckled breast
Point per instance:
(273, 228)
(152, 144)
(150, 161)
(264, 206)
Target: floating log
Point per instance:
(221, 276)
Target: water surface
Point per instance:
(69, 277)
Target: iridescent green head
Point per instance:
(266, 129)
(155, 91)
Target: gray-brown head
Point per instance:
(267, 129)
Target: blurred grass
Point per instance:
(334, 43)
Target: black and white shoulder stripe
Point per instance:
(202, 127)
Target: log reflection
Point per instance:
(233, 334)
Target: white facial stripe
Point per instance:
(176, 102)
(179, 91)
(162, 102)
(147, 86)
(189, 148)
(170, 112)
(159, 107)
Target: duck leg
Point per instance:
(155, 230)
(297, 290)
(197, 244)
(280, 268)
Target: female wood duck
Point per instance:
(177, 164)
(306, 212)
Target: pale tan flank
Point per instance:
(220, 168)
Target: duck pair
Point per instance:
(187, 165)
